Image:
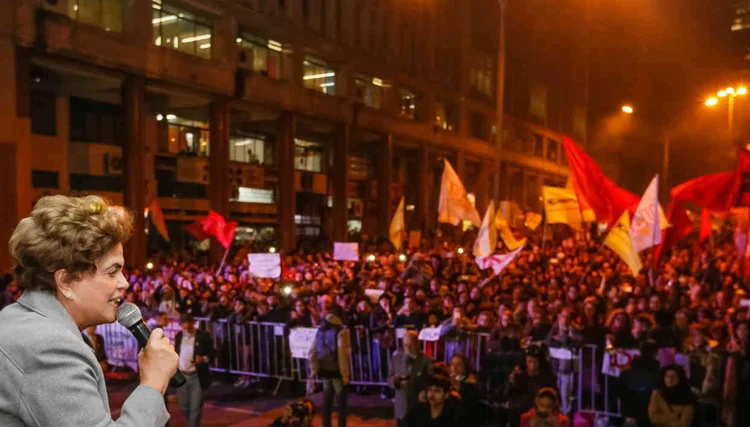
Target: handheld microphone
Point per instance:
(129, 316)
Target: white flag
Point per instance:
(454, 206)
(498, 262)
(487, 237)
(645, 230)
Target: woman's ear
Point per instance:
(63, 286)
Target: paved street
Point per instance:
(226, 406)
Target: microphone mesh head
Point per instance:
(128, 314)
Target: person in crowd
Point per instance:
(672, 404)
(296, 414)
(329, 362)
(524, 384)
(381, 328)
(546, 411)
(464, 383)
(96, 342)
(195, 348)
(638, 382)
(408, 368)
(437, 410)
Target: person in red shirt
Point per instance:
(546, 411)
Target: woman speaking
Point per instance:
(68, 261)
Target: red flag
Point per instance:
(714, 191)
(742, 180)
(214, 225)
(594, 190)
(705, 224)
(680, 226)
(196, 229)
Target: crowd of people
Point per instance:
(568, 292)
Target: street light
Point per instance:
(730, 93)
(627, 109)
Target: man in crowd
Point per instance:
(329, 362)
(195, 348)
(409, 369)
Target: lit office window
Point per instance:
(250, 149)
(309, 156)
(552, 147)
(445, 116)
(181, 30)
(408, 103)
(481, 76)
(371, 90)
(191, 137)
(105, 14)
(262, 56)
(319, 76)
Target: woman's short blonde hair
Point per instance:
(69, 233)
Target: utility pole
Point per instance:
(499, 97)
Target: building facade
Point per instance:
(300, 119)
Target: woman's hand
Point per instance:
(158, 361)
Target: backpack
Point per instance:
(326, 345)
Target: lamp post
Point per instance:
(729, 93)
(664, 179)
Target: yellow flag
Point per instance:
(619, 241)
(487, 237)
(157, 217)
(505, 233)
(454, 206)
(561, 207)
(398, 230)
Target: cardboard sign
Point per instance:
(617, 360)
(301, 341)
(430, 334)
(265, 265)
(415, 238)
(345, 251)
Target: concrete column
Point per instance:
(482, 190)
(287, 195)
(385, 165)
(460, 166)
(340, 179)
(134, 154)
(423, 187)
(218, 186)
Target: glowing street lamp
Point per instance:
(627, 109)
(710, 102)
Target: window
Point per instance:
(105, 14)
(45, 179)
(263, 56)
(408, 103)
(309, 156)
(445, 116)
(94, 121)
(478, 126)
(318, 76)
(191, 137)
(180, 30)
(43, 117)
(538, 103)
(481, 76)
(537, 143)
(251, 149)
(370, 91)
(552, 147)
(255, 195)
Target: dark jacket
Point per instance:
(203, 347)
(418, 370)
(420, 416)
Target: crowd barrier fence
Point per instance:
(271, 350)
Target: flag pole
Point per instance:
(223, 260)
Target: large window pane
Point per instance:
(112, 15)
(318, 76)
(266, 55)
(250, 149)
(105, 14)
(178, 29)
(309, 156)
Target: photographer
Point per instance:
(296, 414)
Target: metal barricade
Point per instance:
(596, 392)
